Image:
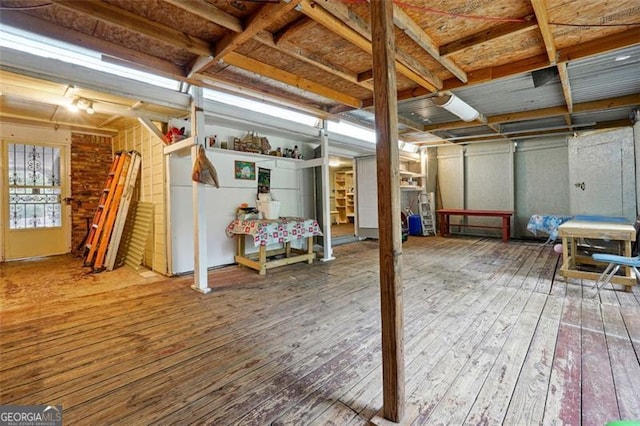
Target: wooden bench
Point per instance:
(444, 214)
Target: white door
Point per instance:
(36, 221)
(602, 174)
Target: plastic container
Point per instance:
(415, 225)
(269, 209)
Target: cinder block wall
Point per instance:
(91, 158)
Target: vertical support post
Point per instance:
(200, 255)
(326, 197)
(390, 239)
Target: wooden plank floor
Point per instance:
(488, 340)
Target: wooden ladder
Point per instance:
(111, 215)
(123, 210)
(104, 206)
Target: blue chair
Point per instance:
(615, 262)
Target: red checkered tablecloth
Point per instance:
(282, 230)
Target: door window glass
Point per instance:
(34, 187)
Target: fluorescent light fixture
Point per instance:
(408, 147)
(457, 106)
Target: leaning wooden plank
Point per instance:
(132, 248)
(624, 363)
(123, 210)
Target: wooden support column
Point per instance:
(326, 196)
(200, 252)
(390, 238)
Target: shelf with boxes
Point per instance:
(411, 181)
(344, 195)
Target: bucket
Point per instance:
(269, 209)
(415, 225)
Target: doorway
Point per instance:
(36, 222)
(342, 198)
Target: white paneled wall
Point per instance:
(289, 184)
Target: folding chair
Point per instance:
(615, 262)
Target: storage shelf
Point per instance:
(410, 174)
(178, 146)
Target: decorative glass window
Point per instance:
(34, 187)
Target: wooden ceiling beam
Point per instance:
(508, 29)
(274, 73)
(211, 13)
(566, 85)
(310, 58)
(260, 20)
(350, 27)
(540, 9)
(417, 34)
(113, 15)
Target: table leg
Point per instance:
(565, 253)
(444, 224)
(287, 249)
(506, 232)
(240, 250)
(310, 249)
(262, 259)
(628, 272)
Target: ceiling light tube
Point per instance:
(457, 106)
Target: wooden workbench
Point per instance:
(443, 220)
(573, 230)
(266, 232)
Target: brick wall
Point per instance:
(91, 158)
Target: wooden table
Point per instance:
(443, 219)
(268, 232)
(574, 230)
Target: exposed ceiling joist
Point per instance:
(413, 30)
(266, 70)
(113, 15)
(508, 29)
(540, 8)
(211, 13)
(345, 30)
(310, 58)
(260, 20)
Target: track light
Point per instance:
(457, 106)
(81, 104)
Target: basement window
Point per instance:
(45, 47)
